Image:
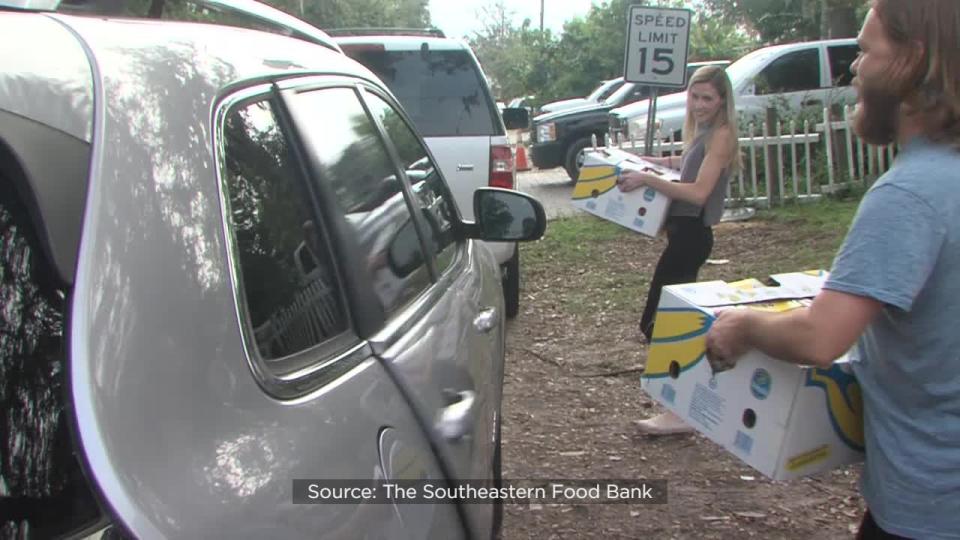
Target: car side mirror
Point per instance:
(638, 95)
(504, 215)
(516, 118)
(404, 255)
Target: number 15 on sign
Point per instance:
(657, 43)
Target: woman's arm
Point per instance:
(670, 161)
(719, 156)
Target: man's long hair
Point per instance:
(927, 72)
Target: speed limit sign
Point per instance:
(657, 42)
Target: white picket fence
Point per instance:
(310, 317)
(792, 161)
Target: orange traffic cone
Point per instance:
(521, 159)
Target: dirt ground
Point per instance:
(572, 391)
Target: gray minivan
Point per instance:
(228, 262)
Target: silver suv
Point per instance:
(442, 87)
(227, 262)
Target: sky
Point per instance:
(459, 18)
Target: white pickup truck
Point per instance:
(808, 74)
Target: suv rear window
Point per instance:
(442, 91)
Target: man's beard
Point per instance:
(877, 114)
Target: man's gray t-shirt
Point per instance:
(903, 249)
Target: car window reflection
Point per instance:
(427, 183)
(354, 163)
(286, 272)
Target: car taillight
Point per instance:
(501, 166)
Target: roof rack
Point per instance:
(426, 32)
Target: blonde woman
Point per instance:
(711, 154)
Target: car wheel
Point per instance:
(511, 284)
(574, 158)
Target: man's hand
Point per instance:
(727, 339)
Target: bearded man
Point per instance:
(894, 289)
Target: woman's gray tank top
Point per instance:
(693, 157)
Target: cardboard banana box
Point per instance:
(643, 210)
(784, 420)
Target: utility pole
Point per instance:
(541, 16)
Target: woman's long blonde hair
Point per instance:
(727, 115)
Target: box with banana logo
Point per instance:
(782, 419)
(643, 210)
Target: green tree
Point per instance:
(514, 59)
(843, 17)
(592, 49)
(320, 13)
(523, 61)
(776, 21)
(711, 38)
(358, 13)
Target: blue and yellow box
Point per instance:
(643, 210)
(784, 420)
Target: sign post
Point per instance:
(656, 53)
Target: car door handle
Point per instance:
(486, 320)
(455, 420)
(812, 103)
(464, 167)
